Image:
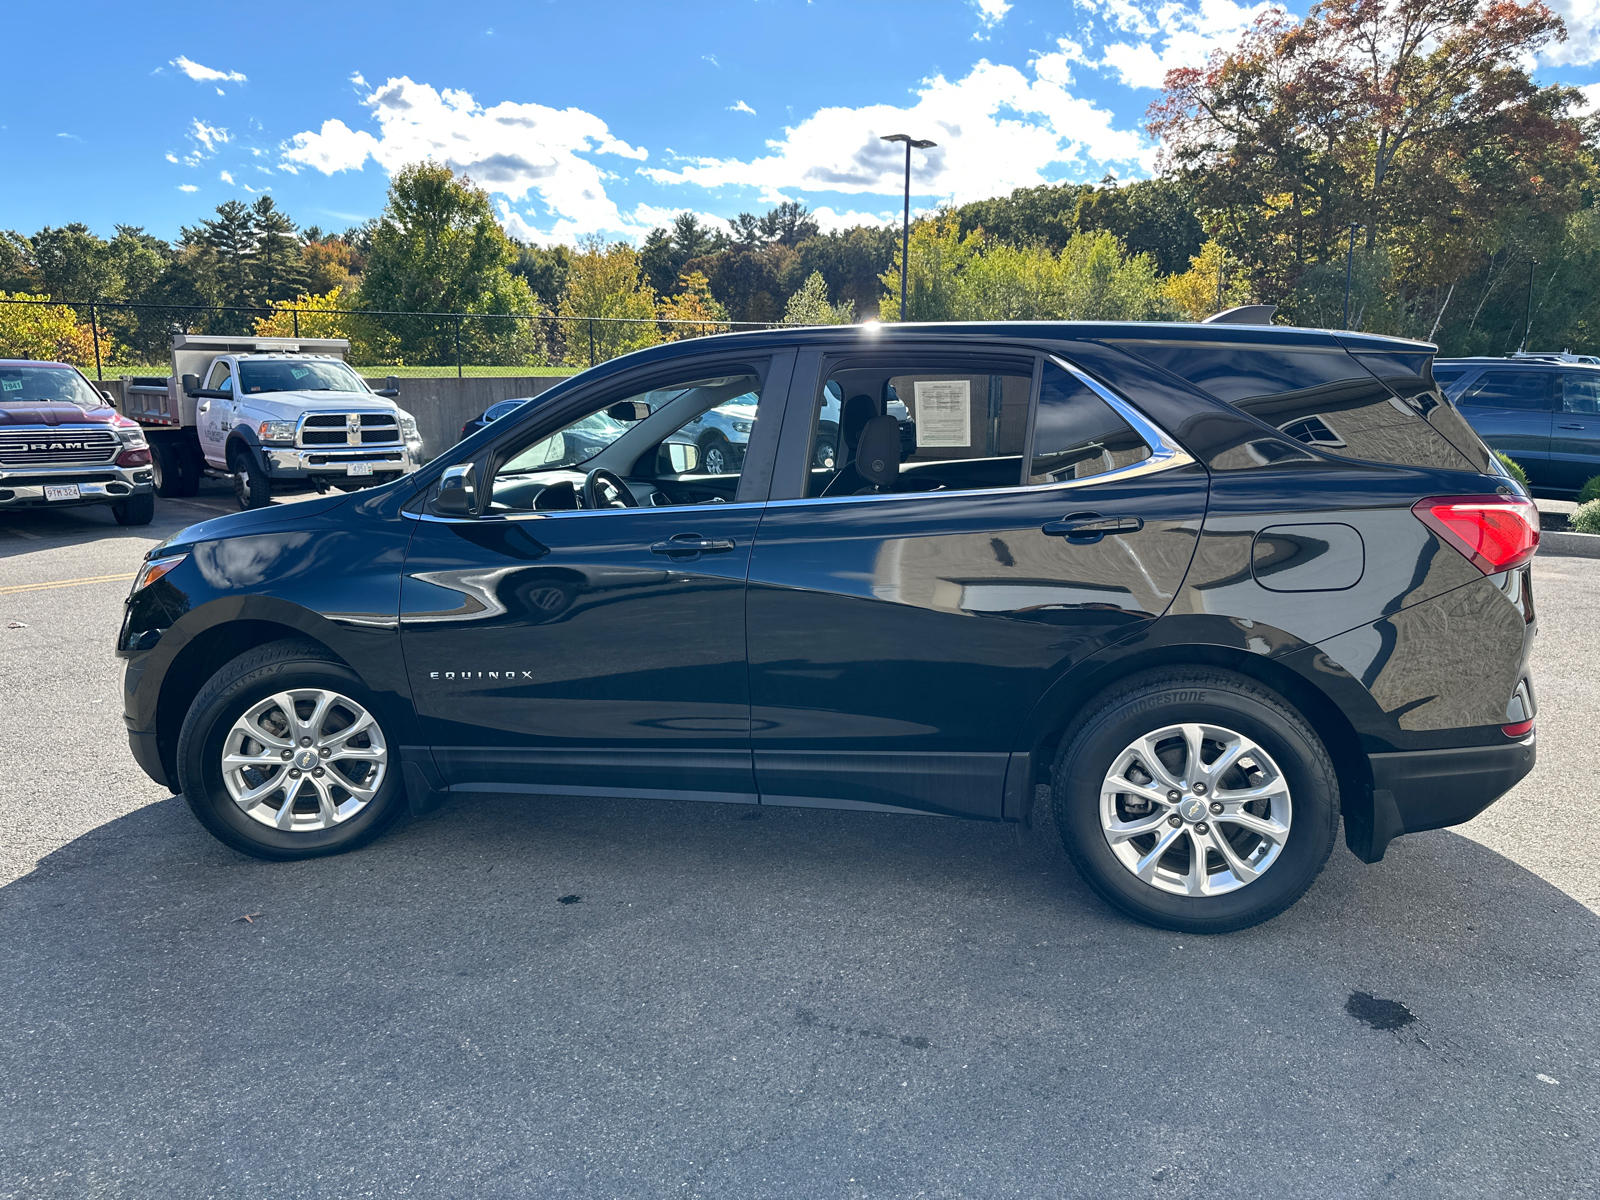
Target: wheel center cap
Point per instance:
(1192, 808)
(306, 759)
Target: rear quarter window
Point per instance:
(1323, 399)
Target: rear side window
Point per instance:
(1076, 434)
(1580, 394)
(1525, 390)
(1320, 398)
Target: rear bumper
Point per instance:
(1431, 789)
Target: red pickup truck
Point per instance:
(61, 443)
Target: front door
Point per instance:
(905, 618)
(214, 414)
(583, 632)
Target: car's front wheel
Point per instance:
(1196, 800)
(283, 756)
(251, 487)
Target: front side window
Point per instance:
(221, 379)
(48, 385)
(297, 375)
(1526, 390)
(683, 443)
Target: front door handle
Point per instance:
(1088, 528)
(1569, 426)
(688, 545)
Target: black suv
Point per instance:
(1217, 586)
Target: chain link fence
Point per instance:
(115, 338)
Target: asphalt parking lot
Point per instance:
(565, 997)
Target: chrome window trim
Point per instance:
(1165, 455)
(580, 512)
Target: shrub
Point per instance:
(1513, 469)
(1587, 518)
(1591, 490)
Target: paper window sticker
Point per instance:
(299, 372)
(11, 385)
(944, 412)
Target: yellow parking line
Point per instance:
(60, 583)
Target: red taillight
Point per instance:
(1495, 532)
(138, 457)
(1520, 729)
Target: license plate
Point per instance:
(61, 491)
(359, 468)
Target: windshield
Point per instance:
(297, 375)
(47, 385)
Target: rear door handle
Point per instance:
(1569, 426)
(1091, 527)
(689, 544)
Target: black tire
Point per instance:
(235, 687)
(1149, 702)
(139, 509)
(251, 487)
(716, 454)
(176, 473)
(194, 463)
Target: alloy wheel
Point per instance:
(1195, 809)
(304, 759)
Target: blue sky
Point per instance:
(597, 117)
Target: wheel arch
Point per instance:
(230, 628)
(1072, 695)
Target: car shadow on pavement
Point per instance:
(578, 997)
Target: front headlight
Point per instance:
(153, 570)
(741, 426)
(130, 435)
(277, 433)
(408, 426)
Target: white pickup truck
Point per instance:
(265, 411)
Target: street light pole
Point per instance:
(1349, 263)
(905, 228)
(1527, 325)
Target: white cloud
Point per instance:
(208, 137)
(1582, 46)
(187, 187)
(171, 157)
(206, 74)
(509, 149)
(357, 78)
(996, 128)
(1168, 34)
(992, 12)
(1591, 99)
(225, 176)
(710, 58)
(741, 107)
(71, 136)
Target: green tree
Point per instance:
(49, 332)
(692, 301)
(666, 251)
(809, 305)
(438, 249)
(74, 264)
(609, 306)
(851, 260)
(1214, 281)
(17, 272)
(227, 247)
(545, 270)
(276, 267)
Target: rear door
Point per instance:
(1511, 410)
(900, 633)
(1575, 437)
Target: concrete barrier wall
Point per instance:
(441, 406)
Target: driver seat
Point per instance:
(857, 413)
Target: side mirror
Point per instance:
(390, 388)
(678, 458)
(191, 384)
(628, 411)
(457, 495)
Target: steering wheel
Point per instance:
(603, 489)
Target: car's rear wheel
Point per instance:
(176, 472)
(1196, 800)
(716, 455)
(283, 756)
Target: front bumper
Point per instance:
(103, 484)
(1417, 790)
(385, 461)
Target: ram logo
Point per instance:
(352, 429)
(58, 445)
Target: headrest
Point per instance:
(857, 411)
(878, 455)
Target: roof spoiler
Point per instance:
(1245, 314)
